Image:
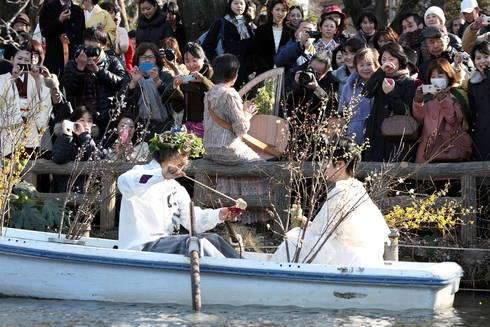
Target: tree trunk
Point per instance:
(381, 12)
(124, 15)
(198, 15)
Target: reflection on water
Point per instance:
(470, 310)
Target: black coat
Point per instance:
(398, 100)
(323, 97)
(66, 149)
(153, 30)
(233, 45)
(265, 47)
(95, 90)
(479, 98)
(52, 28)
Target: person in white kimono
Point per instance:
(25, 102)
(349, 230)
(154, 205)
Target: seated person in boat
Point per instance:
(154, 205)
(349, 229)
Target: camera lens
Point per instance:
(305, 78)
(169, 54)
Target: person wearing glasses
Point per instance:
(148, 89)
(93, 78)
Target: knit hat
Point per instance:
(437, 11)
(435, 31)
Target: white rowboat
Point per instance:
(41, 265)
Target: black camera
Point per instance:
(307, 76)
(314, 34)
(168, 54)
(89, 51)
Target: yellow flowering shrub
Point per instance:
(424, 213)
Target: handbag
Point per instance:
(192, 127)
(220, 47)
(448, 145)
(400, 127)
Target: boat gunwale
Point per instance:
(209, 268)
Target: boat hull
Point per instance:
(39, 265)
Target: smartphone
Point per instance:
(486, 20)
(70, 125)
(188, 78)
(390, 81)
(145, 66)
(429, 88)
(66, 7)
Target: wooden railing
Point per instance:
(205, 171)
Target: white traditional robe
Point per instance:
(153, 207)
(357, 241)
(11, 116)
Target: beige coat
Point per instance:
(12, 118)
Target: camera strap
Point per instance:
(246, 137)
(65, 41)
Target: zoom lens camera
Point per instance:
(168, 54)
(307, 76)
(89, 51)
(314, 34)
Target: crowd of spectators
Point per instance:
(86, 69)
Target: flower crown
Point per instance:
(177, 138)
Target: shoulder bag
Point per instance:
(220, 47)
(400, 127)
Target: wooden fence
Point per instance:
(204, 171)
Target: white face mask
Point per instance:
(442, 82)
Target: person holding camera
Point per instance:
(26, 105)
(93, 78)
(148, 89)
(75, 139)
(298, 49)
(271, 36)
(308, 86)
(172, 57)
(62, 25)
(189, 93)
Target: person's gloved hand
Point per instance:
(486, 72)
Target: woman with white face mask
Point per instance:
(442, 103)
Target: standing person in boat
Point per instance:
(349, 229)
(154, 205)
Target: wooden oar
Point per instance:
(194, 262)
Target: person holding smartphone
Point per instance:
(62, 25)
(148, 89)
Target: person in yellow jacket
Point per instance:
(96, 16)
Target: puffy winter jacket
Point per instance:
(95, 90)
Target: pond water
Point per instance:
(471, 309)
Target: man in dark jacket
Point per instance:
(309, 88)
(93, 78)
(295, 52)
(438, 44)
(62, 26)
